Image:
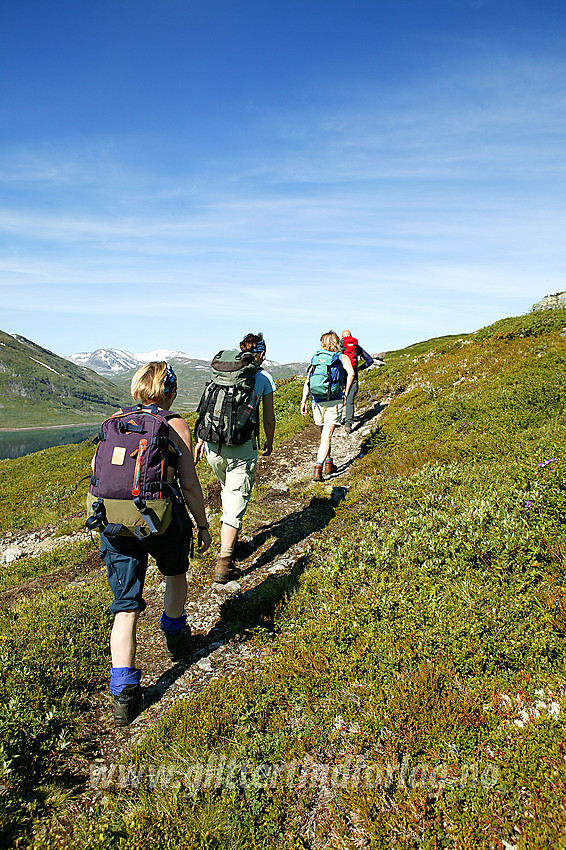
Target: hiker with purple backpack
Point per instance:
(329, 379)
(143, 481)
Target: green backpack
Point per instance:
(227, 411)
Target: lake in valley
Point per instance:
(24, 441)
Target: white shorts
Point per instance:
(328, 412)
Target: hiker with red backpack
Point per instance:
(227, 433)
(359, 359)
(329, 379)
(143, 480)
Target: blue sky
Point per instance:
(176, 173)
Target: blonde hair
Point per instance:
(330, 341)
(147, 383)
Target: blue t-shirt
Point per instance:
(264, 383)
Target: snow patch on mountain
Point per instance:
(113, 361)
(109, 362)
(163, 354)
(106, 361)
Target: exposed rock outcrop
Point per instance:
(551, 302)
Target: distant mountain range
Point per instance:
(112, 361)
(192, 372)
(37, 387)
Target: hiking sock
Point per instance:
(226, 551)
(173, 625)
(122, 676)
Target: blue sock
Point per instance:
(173, 625)
(122, 676)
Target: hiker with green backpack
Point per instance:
(227, 433)
(329, 379)
(143, 480)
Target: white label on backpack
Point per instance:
(118, 456)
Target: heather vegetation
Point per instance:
(412, 688)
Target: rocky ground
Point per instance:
(282, 522)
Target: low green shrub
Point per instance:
(43, 488)
(53, 653)
(424, 640)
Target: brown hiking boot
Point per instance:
(329, 466)
(317, 475)
(225, 570)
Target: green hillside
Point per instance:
(39, 388)
(417, 659)
(192, 375)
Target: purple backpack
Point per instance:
(128, 493)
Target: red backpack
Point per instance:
(349, 347)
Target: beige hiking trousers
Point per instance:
(234, 467)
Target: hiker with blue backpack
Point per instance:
(227, 433)
(143, 481)
(329, 379)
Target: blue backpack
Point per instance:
(326, 375)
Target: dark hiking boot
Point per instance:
(127, 705)
(329, 467)
(177, 645)
(225, 570)
(317, 475)
(347, 428)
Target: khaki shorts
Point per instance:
(328, 412)
(234, 467)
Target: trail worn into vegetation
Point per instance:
(287, 512)
(279, 530)
(389, 671)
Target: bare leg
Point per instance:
(175, 595)
(123, 639)
(228, 537)
(325, 440)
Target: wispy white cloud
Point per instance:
(439, 202)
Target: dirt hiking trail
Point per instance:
(279, 530)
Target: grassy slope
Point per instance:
(431, 615)
(39, 388)
(54, 648)
(43, 488)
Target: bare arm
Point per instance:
(305, 396)
(268, 421)
(349, 369)
(188, 478)
(199, 450)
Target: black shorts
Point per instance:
(126, 559)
